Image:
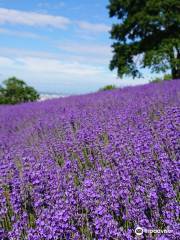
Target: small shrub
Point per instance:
(156, 80)
(168, 77)
(108, 87)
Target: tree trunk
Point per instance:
(176, 67)
(176, 73)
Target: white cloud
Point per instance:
(21, 53)
(46, 5)
(20, 33)
(91, 54)
(12, 16)
(4, 61)
(55, 66)
(28, 61)
(94, 28)
(48, 74)
(83, 48)
(32, 19)
(87, 52)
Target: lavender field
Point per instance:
(93, 166)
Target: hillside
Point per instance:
(91, 167)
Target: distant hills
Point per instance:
(45, 95)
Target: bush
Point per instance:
(156, 80)
(166, 77)
(17, 91)
(108, 87)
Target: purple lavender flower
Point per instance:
(93, 166)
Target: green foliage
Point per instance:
(166, 77)
(147, 35)
(156, 80)
(17, 91)
(108, 87)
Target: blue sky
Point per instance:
(58, 46)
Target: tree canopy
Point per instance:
(17, 91)
(147, 34)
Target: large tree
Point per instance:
(147, 34)
(17, 91)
